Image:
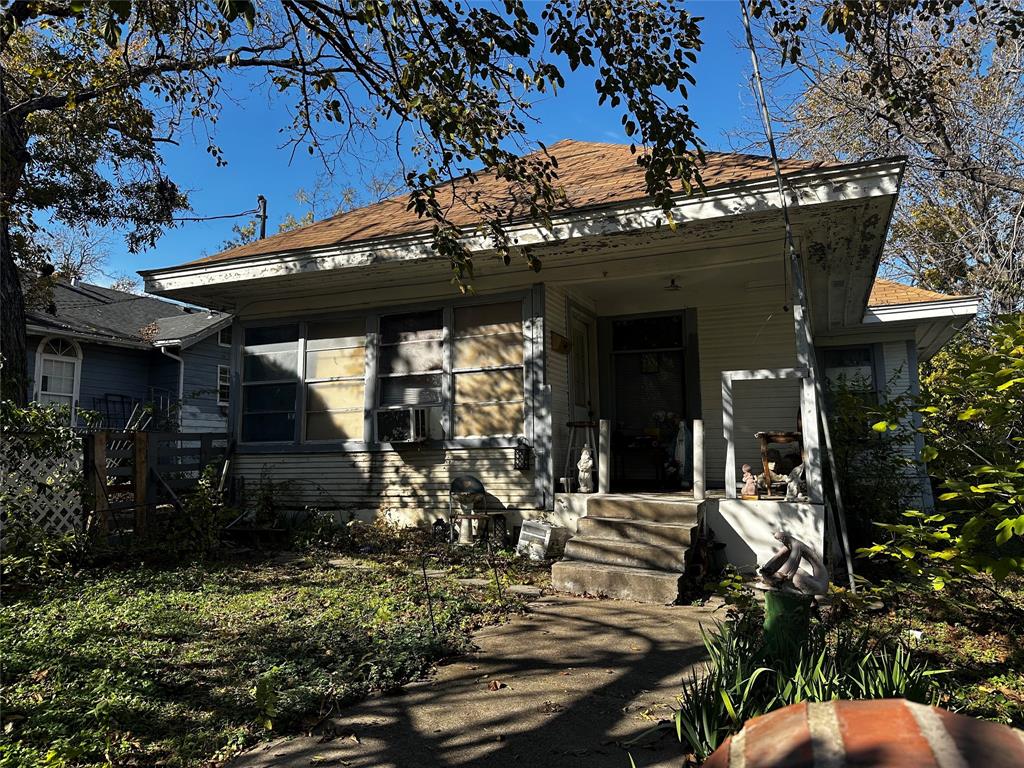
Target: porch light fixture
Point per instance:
(673, 285)
(521, 456)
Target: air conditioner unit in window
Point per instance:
(403, 425)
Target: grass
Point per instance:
(187, 666)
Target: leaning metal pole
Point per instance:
(798, 296)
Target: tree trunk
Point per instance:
(13, 356)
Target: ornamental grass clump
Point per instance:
(740, 681)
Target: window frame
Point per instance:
(223, 379)
(220, 336)
(41, 355)
(532, 365)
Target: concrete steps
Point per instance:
(640, 584)
(630, 548)
(626, 553)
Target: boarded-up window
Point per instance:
(270, 365)
(335, 379)
(488, 370)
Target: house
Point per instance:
(132, 361)
(363, 380)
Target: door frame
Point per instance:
(576, 312)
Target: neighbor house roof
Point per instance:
(886, 293)
(591, 174)
(118, 316)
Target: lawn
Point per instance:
(188, 665)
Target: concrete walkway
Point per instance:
(561, 686)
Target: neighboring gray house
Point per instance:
(137, 361)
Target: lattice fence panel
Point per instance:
(46, 488)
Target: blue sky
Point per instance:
(249, 133)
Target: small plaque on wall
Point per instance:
(559, 343)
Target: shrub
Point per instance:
(871, 441)
(974, 419)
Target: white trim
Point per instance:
(925, 310)
(227, 370)
(762, 374)
(812, 187)
(37, 385)
(44, 330)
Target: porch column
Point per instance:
(698, 459)
(809, 408)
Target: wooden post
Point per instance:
(98, 482)
(140, 483)
(698, 459)
(604, 459)
(205, 447)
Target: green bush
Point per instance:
(740, 681)
(870, 440)
(973, 409)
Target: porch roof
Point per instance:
(592, 174)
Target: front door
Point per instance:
(648, 369)
(582, 365)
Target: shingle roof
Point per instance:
(888, 292)
(120, 316)
(591, 174)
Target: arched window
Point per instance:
(58, 372)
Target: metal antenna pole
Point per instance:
(261, 207)
(804, 343)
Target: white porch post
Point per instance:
(809, 410)
(604, 456)
(698, 459)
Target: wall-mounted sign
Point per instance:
(559, 343)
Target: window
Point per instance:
(223, 384)
(58, 370)
(335, 375)
(270, 366)
(852, 368)
(224, 336)
(307, 381)
(487, 368)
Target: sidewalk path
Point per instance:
(560, 686)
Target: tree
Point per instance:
(947, 94)
(91, 90)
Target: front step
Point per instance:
(638, 531)
(639, 584)
(657, 509)
(626, 553)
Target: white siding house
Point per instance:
(349, 326)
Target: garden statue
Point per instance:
(783, 572)
(749, 482)
(795, 484)
(586, 470)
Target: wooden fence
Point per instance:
(133, 477)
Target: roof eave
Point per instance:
(806, 187)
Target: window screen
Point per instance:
(335, 380)
(270, 365)
(488, 370)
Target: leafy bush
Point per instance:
(196, 529)
(974, 420)
(740, 682)
(32, 551)
(871, 441)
